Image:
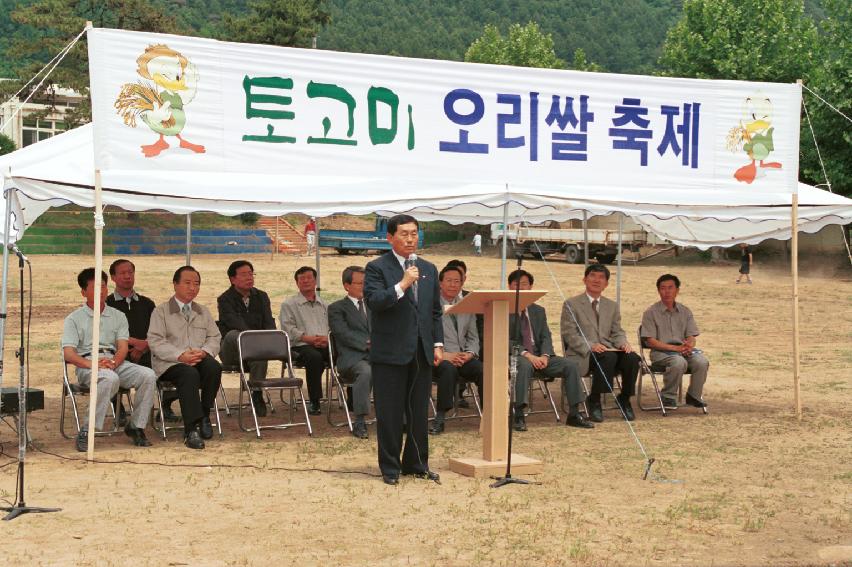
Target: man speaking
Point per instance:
(406, 341)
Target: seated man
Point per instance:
(304, 317)
(137, 308)
(669, 330)
(536, 346)
(349, 321)
(114, 371)
(184, 342)
(461, 348)
(593, 337)
(243, 307)
(480, 328)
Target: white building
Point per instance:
(26, 127)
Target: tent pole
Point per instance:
(585, 239)
(618, 265)
(96, 318)
(503, 253)
(275, 244)
(189, 239)
(794, 267)
(317, 256)
(8, 226)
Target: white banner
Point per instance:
(237, 112)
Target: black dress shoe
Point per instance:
(596, 413)
(359, 430)
(259, 403)
(425, 475)
(695, 402)
(520, 422)
(137, 436)
(391, 480)
(193, 440)
(314, 408)
(437, 427)
(206, 428)
(577, 420)
(627, 408)
(669, 403)
(82, 441)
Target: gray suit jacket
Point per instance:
(463, 337)
(349, 333)
(608, 332)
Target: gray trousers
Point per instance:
(363, 376)
(557, 367)
(128, 375)
(229, 354)
(676, 366)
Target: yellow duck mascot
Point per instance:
(161, 105)
(754, 136)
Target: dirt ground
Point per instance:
(747, 484)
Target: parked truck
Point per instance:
(360, 241)
(540, 241)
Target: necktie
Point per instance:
(363, 311)
(526, 333)
(597, 313)
(185, 311)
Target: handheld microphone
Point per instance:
(13, 248)
(411, 261)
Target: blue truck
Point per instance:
(360, 241)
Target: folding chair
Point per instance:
(652, 370)
(543, 386)
(269, 345)
(342, 381)
(159, 416)
(71, 390)
(586, 383)
(477, 404)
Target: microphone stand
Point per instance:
(20, 506)
(513, 375)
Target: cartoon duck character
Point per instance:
(754, 136)
(160, 105)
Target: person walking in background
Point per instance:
(477, 244)
(311, 235)
(746, 260)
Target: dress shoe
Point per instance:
(577, 420)
(425, 475)
(314, 408)
(122, 415)
(206, 428)
(137, 436)
(389, 479)
(695, 402)
(520, 423)
(82, 442)
(359, 430)
(193, 440)
(259, 403)
(669, 403)
(627, 408)
(437, 427)
(596, 413)
(168, 415)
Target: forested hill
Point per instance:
(622, 36)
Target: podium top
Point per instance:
(477, 301)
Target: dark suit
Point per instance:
(351, 336)
(403, 333)
(557, 366)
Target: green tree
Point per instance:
(55, 23)
(278, 22)
(524, 46)
(832, 80)
(756, 40)
(7, 145)
(581, 63)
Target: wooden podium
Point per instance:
(497, 306)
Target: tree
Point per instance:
(525, 46)
(581, 63)
(278, 22)
(832, 80)
(7, 145)
(55, 22)
(755, 40)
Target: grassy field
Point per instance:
(747, 484)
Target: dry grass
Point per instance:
(758, 487)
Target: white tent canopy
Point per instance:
(60, 171)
